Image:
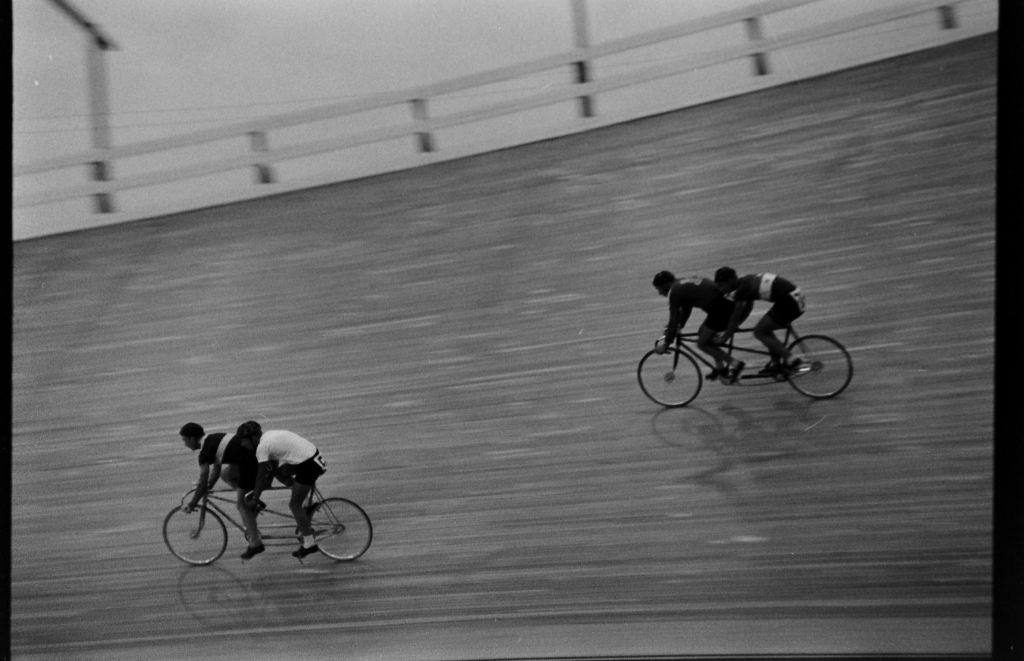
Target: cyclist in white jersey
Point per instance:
(279, 451)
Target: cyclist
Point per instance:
(297, 458)
(195, 438)
(223, 459)
(787, 304)
(697, 292)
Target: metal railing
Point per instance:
(421, 127)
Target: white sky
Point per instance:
(190, 64)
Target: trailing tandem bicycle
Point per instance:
(342, 528)
(674, 378)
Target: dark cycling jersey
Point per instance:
(208, 453)
(696, 292)
(244, 459)
(234, 453)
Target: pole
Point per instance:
(99, 113)
(99, 104)
(582, 41)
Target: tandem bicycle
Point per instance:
(674, 378)
(342, 528)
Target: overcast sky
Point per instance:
(188, 64)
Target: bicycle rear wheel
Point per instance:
(825, 369)
(343, 530)
(198, 537)
(672, 379)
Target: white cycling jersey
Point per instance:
(284, 447)
(764, 290)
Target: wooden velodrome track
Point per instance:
(461, 343)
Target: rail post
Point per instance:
(419, 113)
(99, 111)
(582, 67)
(99, 104)
(753, 26)
(947, 16)
(258, 142)
(104, 203)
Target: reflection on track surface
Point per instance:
(461, 340)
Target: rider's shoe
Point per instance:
(733, 373)
(253, 551)
(770, 368)
(714, 374)
(303, 551)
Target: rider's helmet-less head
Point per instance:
(662, 281)
(191, 430)
(725, 274)
(249, 429)
(726, 279)
(663, 278)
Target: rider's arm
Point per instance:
(203, 485)
(679, 313)
(214, 476)
(264, 473)
(739, 315)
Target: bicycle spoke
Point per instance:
(198, 538)
(825, 367)
(343, 530)
(671, 379)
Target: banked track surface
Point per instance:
(460, 341)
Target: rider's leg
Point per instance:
(719, 314)
(705, 342)
(252, 531)
(297, 504)
(231, 474)
(765, 332)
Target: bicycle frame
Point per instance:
(212, 498)
(822, 367)
(685, 340)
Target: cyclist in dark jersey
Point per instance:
(787, 304)
(697, 292)
(195, 438)
(220, 458)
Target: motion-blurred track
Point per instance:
(461, 340)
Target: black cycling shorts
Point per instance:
(719, 313)
(241, 475)
(787, 308)
(308, 471)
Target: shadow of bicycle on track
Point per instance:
(219, 598)
(717, 439)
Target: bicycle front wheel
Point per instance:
(672, 379)
(825, 368)
(197, 537)
(343, 530)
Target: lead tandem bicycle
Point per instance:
(342, 528)
(674, 378)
